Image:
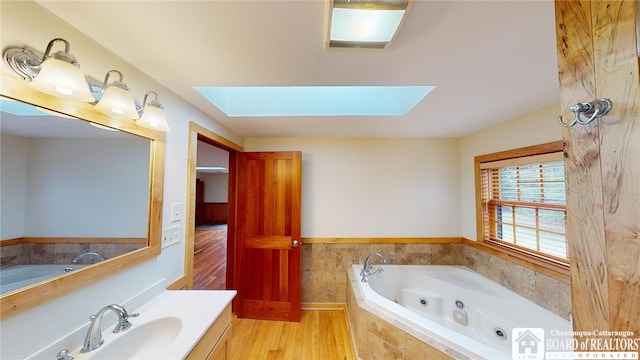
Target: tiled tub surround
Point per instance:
(551, 294)
(51, 253)
(324, 269)
(324, 266)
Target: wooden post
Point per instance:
(598, 57)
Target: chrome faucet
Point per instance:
(89, 253)
(94, 340)
(368, 270)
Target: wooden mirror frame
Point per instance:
(23, 299)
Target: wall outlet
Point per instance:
(176, 212)
(171, 236)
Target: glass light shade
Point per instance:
(117, 101)
(61, 78)
(153, 117)
(365, 25)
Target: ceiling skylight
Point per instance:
(20, 108)
(315, 100)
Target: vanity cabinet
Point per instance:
(214, 344)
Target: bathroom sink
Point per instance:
(168, 326)
(150, 340)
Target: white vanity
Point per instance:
(180, 324)
(173, 325)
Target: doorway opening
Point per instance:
(210, 223)
(210, 233)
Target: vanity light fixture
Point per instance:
(153, 115)
(57, 74)
(116, 99)
(370, 24)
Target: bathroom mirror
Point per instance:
(69, 188)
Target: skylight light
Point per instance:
(365, 25)
(265, 101)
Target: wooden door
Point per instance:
(200, 210)
(598, 58)
(268, 235)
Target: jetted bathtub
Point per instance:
(19, 276)
(453, 307)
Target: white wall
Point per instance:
(13, 185)
(209, 155)
(216, 187)
(376, 187)
(87, 187)
(25, 23)
(537, 127)
(58, 187)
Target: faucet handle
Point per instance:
(124, 324)
(64, 355)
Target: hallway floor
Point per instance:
(210, 257)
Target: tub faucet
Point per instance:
(94, 340)
(89, 253)
(368, 270)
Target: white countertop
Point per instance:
(197, 309)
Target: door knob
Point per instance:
(295, 244)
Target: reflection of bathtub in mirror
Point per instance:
(20, 276)
(69, 188)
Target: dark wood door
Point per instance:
(268, 235)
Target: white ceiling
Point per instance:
(490, 61)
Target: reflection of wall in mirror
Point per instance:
(72, 188)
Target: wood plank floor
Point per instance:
(320, 335)
(210, 258)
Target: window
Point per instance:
(521, 202)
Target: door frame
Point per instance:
(199, 133)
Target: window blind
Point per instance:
(524, 203)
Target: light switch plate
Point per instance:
(176, 212)
(171, 235)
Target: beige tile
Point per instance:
(519, 279)
(341, 294)
(385, 331)
(305, 257)
(415, 349)
(553, 295)
(318, 286)
(446, 254)
(381, 350)
(39, 253)
(11, 255)
(346, 254)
